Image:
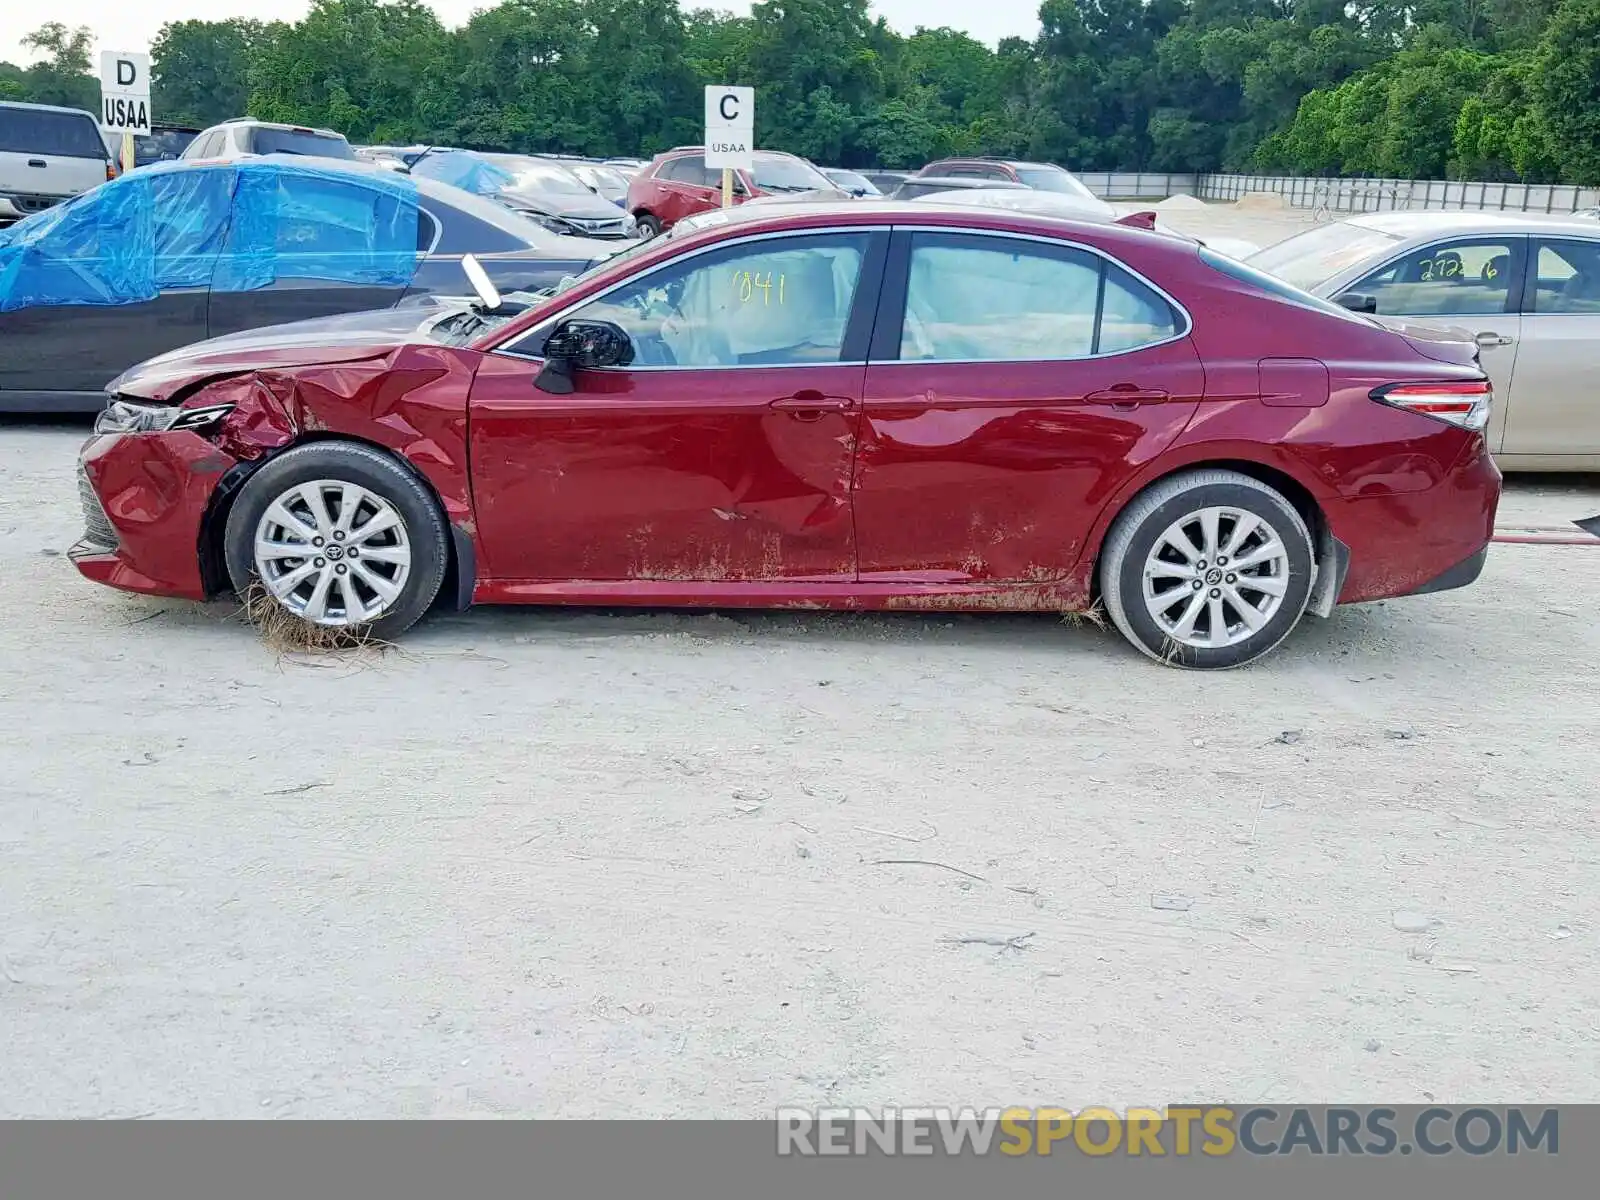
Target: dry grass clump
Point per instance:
(286, 633)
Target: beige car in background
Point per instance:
(1525, 287)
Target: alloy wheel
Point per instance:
(333, 552)
(1215, 577)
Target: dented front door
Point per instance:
(721, 454)
(710, 475)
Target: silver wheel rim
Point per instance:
(1216, 577)
(333, 552)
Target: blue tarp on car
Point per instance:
(232, 227)
(465, 169)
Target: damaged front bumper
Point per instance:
(145, 496)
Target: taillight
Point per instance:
(1462, 402)
(112, 170)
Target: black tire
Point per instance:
(350, 462)
(649, 226)
(1138, 528)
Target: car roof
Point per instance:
(56, 108)
(677, 150)
(926, 211)
(358, 167)
(1418, 223)
(966, 181)
(273, 125)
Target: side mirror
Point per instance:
(586, 344)
(739, 188)
(1359, 302)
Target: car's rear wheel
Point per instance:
(1208, 569)
(339, 535)
(649, 226)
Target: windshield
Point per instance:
(852, 181)
(1310, 259)
(300, 141)
(166, 145)
(603, 178)
(1054, 179)
(538, 175)
(780, 173)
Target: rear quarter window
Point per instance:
(56, 134)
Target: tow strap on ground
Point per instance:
(1550, 535)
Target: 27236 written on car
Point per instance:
(843, 406)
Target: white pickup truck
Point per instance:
(46, 155)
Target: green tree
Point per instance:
(352, 65)
(201, 69)
(1565, 88)
(62, 74)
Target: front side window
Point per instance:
(1445, 279)
(1568, 279)
(289, 223)
(982, 299)
(691, 168)
(773, 302)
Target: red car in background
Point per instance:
(832, 406)
(678, 184)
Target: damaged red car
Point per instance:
(829, 406)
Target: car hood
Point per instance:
(348, 337)
(588, 205)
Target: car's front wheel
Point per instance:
(1207, 569)
(339, 535)
(649, 226)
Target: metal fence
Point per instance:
(1139, 185)
(1347, 195)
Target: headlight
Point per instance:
(629, 222)
(550, 223)
(131, 416)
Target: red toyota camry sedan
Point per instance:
(829, 406)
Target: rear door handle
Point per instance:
(810, 401)
(1128, 395)
(1492, 339)
(36, 162)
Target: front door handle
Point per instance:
(1492, 339)
(36, 162)
(1128, 395)
(811, 401)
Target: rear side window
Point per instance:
(57, 134)
(1568, 277)
(264, 140)
(983, 299)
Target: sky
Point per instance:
(121, 25)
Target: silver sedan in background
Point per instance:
(1525, 287)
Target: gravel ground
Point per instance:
(572, 863)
